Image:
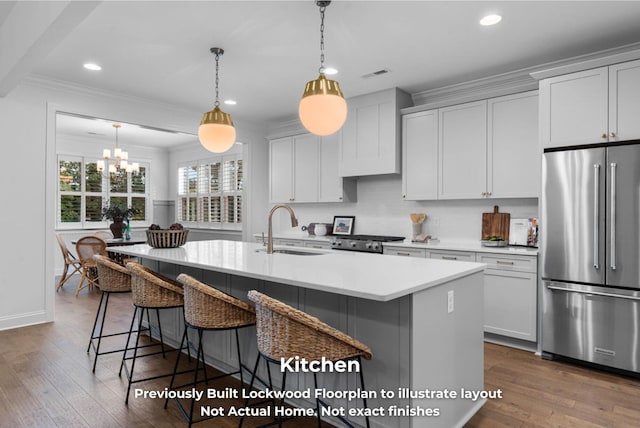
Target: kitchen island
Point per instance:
(422, 319)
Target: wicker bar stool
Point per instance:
(286, 332)
(86, 248)
(206, 308)
(113, 279)
(150, 291)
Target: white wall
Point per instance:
(381, 210)
(27, 126)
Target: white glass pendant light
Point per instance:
(216, 132)
(322, 109)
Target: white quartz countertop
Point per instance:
(444, 244)
(363, 275)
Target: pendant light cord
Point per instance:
(322, 9)
(217, 103)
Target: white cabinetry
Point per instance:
(303, 168)
(420, 155)
(462, 147)
(293, 169)
(510, 295)
(370, 142)
(591, 107)
(465, 256)
(404, 251)
(513, 154)
(476, 150)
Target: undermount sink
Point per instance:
(292, 252)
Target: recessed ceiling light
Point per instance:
(230, 102)
(92, 66)
(330, 71)
(490, 20)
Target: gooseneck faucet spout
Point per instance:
(294, 223)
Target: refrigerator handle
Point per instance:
(613, 215)
(596, 215)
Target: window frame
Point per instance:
(194, 200)
(105, 194)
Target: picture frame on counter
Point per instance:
(343, 224)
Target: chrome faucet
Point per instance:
(294, 223)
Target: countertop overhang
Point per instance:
(363, 275)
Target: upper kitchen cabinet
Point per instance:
(420, 155)
(624, 101)
(591, 107)
(462, 150)
(370, 142)
(513, 156)
(483, 149)
(293, 169)
(304, 168)
(332, 187)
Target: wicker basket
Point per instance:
(167, 238)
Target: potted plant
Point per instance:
(118, 214)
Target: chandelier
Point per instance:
(120, 159)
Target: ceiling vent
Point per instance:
(376, 73)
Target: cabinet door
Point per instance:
(513, 154)
(280, 170)
(510, 304)
(420, 155)
(305, 168)
(624, 102)
(462, 146)
(331, 188)
(573, 108)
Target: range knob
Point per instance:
(353, 244)
(375, 246)
(368, 245)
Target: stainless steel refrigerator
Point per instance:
(590, 255)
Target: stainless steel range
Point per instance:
(362, 243)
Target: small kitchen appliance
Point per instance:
(362, 243)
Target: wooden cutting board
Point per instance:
(495, 224)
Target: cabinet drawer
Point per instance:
(289, 242)
(406, 252)
(508, 262)
(324, 245)
(464, 256)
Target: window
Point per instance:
(83, 191)
(210, 192)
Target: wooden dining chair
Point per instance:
(70, 261)
(103, 234)
(86, 248)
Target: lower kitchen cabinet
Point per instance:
(403, 251)
(510, 295)
(288, 242)
(463, 256)
(321, 245)
(510, 288)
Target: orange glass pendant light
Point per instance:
(322, 109)
(216, 132)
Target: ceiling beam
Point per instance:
(31, 31)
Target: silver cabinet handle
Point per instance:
(596, 216)
(403, 254)
(449, 258)
(613, 215)
(595, 293)
(503, 262)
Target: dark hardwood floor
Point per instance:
(46, 381)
